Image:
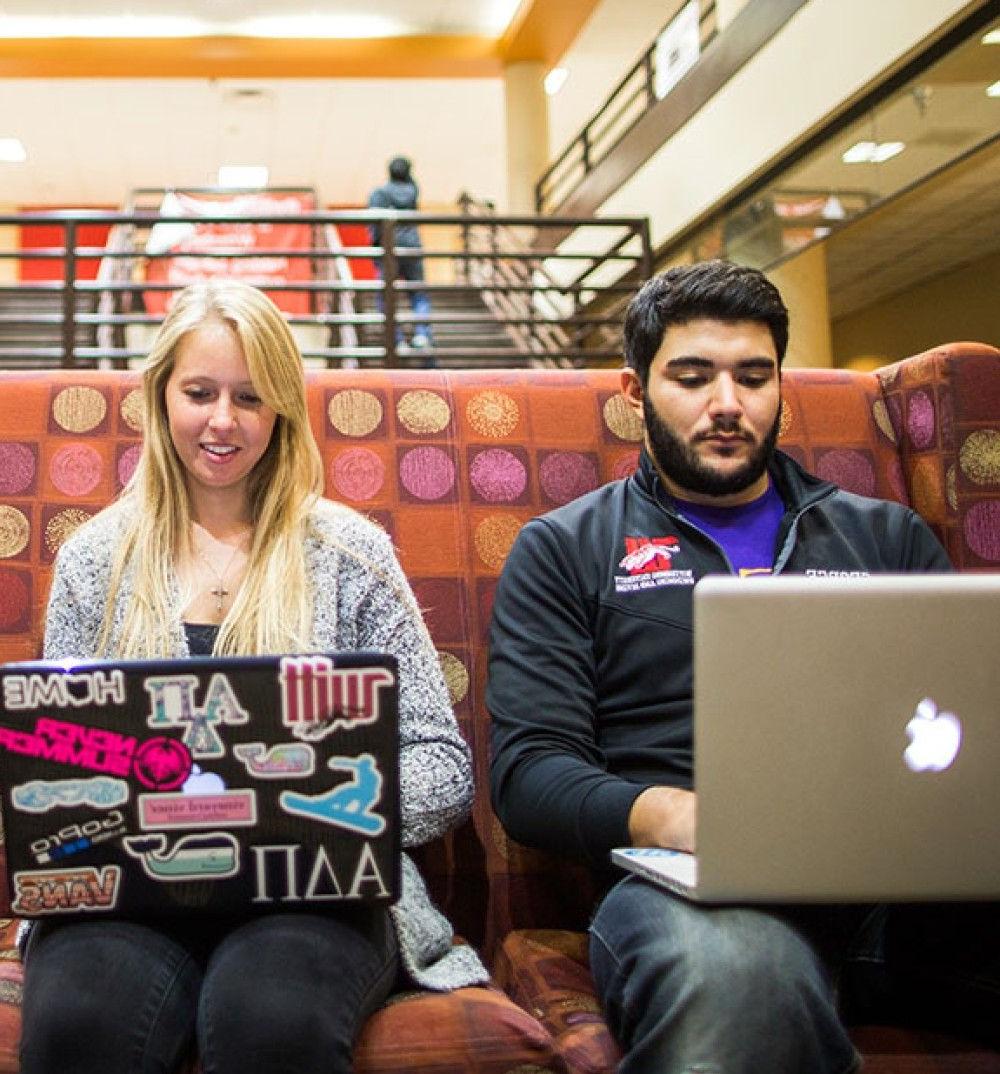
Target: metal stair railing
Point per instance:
(545, 315)
(640, 90)
(528, 293)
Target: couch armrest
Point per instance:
(944, 410)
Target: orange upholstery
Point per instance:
(452, 464)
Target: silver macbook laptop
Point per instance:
(847, 741)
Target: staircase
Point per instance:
(31, 327)
(469, 326)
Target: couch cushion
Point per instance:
(469, 1031)
(944, 412)
(547, 972)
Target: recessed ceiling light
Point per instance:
(994, 90)
(872, 152)
(555, 80)
(12, 151)
(992, 38)
(245, 176)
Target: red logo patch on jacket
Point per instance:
(644, 555)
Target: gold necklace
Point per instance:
(219, 590)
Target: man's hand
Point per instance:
(664, 817)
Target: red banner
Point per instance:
(188, 240)
(50, 235)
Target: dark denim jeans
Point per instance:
(281, 994)
(692, 989)
(411, 269)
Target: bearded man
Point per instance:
(590, 692)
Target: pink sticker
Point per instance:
(197, 810)
(162, 764)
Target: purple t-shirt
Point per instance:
(747, 533)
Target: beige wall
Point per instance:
(610, 43)
(727, 10)
(527, 133)
(957, 305)
(823, 57)
(803, 285)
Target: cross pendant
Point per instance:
(220, 593)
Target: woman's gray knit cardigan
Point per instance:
(361, 601)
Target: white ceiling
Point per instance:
(406, 16)
(91, 141)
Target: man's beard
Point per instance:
(682, 465)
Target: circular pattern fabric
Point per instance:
(492, 413)
(894, 475)
(894, 407)
(353, 412)
(493, 538)
(13, 598)
(565, 475)
(784, 418)
(920, 420)
(498, 475)
(61, 526)
(15, 531)
(358, 474)
(75, 469)
(427, 473)
(880, 412)
(848, 469)
(131, 410)
(951, 487)
(17, 468)
(979, 457)
(79, 409)
(625, 466)
(456, 677)
(127, 463)
(982, 529)
(622, 420)
(927, 483)
(423, 412)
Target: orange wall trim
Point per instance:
(441, 56)
(541, 30)
(544, 30)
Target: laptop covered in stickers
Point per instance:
(209, 784)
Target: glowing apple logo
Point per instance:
(935, 738)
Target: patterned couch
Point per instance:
(452, 464)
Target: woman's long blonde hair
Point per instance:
(272, 611)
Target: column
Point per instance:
(803, 285)
(527, 109)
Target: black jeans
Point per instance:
(269, 995)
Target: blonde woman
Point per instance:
(222, 543)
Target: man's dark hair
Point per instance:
(718, 290)
(399, 169)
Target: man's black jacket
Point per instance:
(590, 658)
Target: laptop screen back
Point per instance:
(206, 784)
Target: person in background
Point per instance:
(590, 693)
(400, 193)
(222, 544)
